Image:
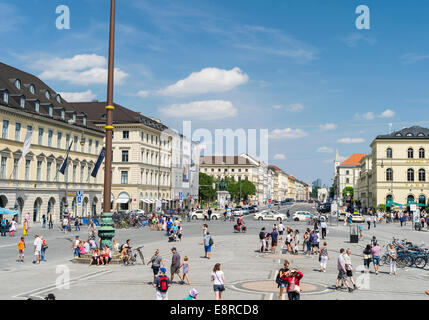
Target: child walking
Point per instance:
(21, 247)
(185, 270)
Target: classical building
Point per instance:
(347, 173)
(397, 169)
(141, 167)
(33, 184)
(281, 182)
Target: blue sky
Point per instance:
(300, 69)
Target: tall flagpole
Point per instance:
(107, 232)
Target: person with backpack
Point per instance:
(161, 284)
(208, 242)
(262, 240)
(281, 278)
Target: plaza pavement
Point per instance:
(249, 274)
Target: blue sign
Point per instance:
(181, 196)
(79, 193)
(269, 205)
(79, 199)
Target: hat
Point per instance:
(50, 297)
(174, 248)
(163, 270)
(193, 293)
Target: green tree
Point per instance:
(348, 190)
(247, 189)
(332, 192)
(207, 193)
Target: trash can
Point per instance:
(354, 234)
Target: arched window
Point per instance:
(389, 174)
(421, 153)
(389, 153)
(410, 153)
(422, 199)
(32, 89)
(422, 175)
(410, 175)
(18, 84)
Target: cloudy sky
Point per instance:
(300, 69)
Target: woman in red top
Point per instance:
(293, 289)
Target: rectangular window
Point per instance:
(40, 138)
(67, 141)
(17, 131)
(27, 170)
(82, 148)
(90, 146)
(75, 143)
(3, 167)
(74, 172)
(39, 170)
(29, 128)
(59, 136)
(48, 170)
(50, 135)
(125, 134)
(5, 129)
(124, 177)
(82, 171)
(15, 169)
(96, 146)
(125, 156)
(89, 173)
(57, 171)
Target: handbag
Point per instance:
(211, 241)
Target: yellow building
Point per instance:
(33, 184)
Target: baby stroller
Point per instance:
(238, 228)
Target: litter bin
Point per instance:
(354, 234)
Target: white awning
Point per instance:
(146, 201)
(152, 201)
(122, 200)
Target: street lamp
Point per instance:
(107, 232)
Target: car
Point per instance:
(199, 215)
(254, 207)
(270, 215)
(341, 216)
(325, 208)
(302, 216)
(239, 210)
(357, 217)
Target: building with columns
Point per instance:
(33, 184)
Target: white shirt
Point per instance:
(12, 225)
(217, 278)
(281, 227)
(38, 244)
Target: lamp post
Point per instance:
(107, 232)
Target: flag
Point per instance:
(64, 166)
(99, 162)
(27, 143)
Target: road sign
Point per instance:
(181, 196)
(269, 206)
(190, 197)
(79, 199)
(79, 193)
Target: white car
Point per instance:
(269, 215)
(199, 215)
(357, 217)
(301, 216)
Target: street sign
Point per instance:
(181, 196)
(413, 207)
(190, 197)
(79, 193)
(79, 199)
(269, 206)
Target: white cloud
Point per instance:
(203, 110)
(328, 126)
(143, 94)
(413, 58)
(296, 107)
(325, 149)
(351, 140)
(366, 116)
(205, 81)
(354, 39)
(287, 133)
(277, 107)
(78, 96)
(83, 69)
(279, 156)
(387, 114)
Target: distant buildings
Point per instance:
(347, 173)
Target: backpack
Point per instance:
(279, 280)
(162, 284)
(211, 241)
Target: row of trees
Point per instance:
(244, 188)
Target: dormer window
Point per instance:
(37, 106)
(421, 134)
(409, 134)
(47, 95)
(398, 135)
(50, 111)
(58, 98)
(17, 84)
(63, 114)
(22, 102)
(6, 97)
(84, 121)
(32, 89)
(74, 117)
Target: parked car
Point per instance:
(239, 210)
(199, 215)
(357, 217)
(254, 207)
(270, 215)
(302, 216)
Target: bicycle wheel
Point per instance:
(420, 262)
(401, 262)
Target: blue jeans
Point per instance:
(77, 227)
(44, 224)
(293, 296)
(308, 246)
(42, 254)
(76, 252)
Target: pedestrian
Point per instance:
(175, 265)
(77, 224)
(360, 231)
(75, 247)
(50, 223)
(281, 278)
(21, 247)
(315, 243)
(209, 212)
(185, 270)
(349, 266)
(281, 228)
(180, 232)
(306, 242)
(43, 249)
(342, 272)
(161, 284)
(218, 278)
(64, 224)
(12, 227)
(274, 239)
(25, 228)
(295, 242)
(367, 256)
(262, 240)
(392, 258)
(208, 242)
(324, 227)
(156, 261)
(293, 288)
(368, 221)
(323, 257)
(37, 248)
(376, 251)
(374, 220)
(43, 221)
(204, 228)
(192, 295)
(3, 226)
